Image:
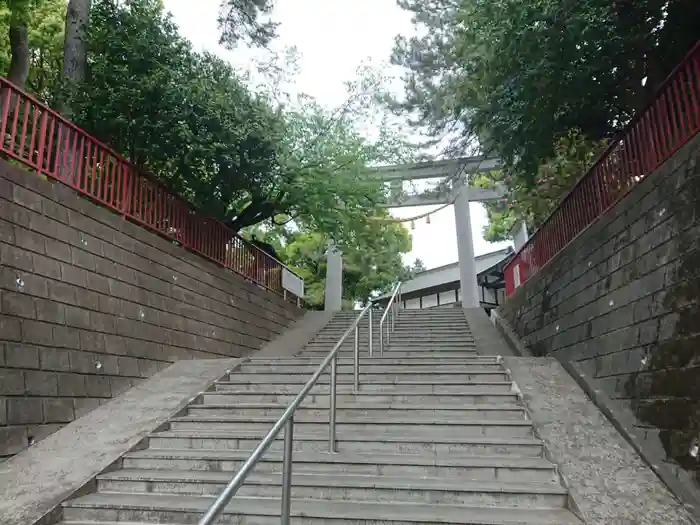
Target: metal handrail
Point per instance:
(391, 312)
(287, 419)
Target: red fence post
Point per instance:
(107, 177)
(656, 132)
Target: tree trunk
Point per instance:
(254, 213)
(74, 45)
(74, 65)
(19, 65)
(19, 48)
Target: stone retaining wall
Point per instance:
(90, 304)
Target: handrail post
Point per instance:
(287, 471)
(331, 419)
(381, 337)
(356, 375)
(369, 323)
(387, 327)
(285, 421)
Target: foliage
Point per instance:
(241, 20)
(189, 119)
(324, 179)
(573, 155)
(181, 115)
(258, 159)
(519, 75)
(45, 20)
(417, 267)
(368, 270)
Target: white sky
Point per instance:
(333, 38)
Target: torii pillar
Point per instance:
(465, 249)
(333, 298)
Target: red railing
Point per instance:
(655, 133)
(37, 136)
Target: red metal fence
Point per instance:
(658, 131)
(37, 136)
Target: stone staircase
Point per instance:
(435, 436)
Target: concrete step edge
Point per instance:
(418, 460)
(380, 360)
(333, 480)
(387, 393)
(316, 420)
(373, 372)
(348, 380)
(357, 511)
(368, 406)
(348, 436)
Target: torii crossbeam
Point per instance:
(452, 188)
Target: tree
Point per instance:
(323, 177)
(417, 267)
(183, 116)
(18, 14)
(370, 268)
(45, 21)
(240, 20)
(246, 159)
(518, 75)
(368, 271)
(190, 120)
(75, 46)
(573, 155)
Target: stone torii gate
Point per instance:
(452, 188)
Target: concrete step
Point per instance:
(405, 397)
(399, 333)
(348, 346)
(373, 367)
(442, 326)
(418, 340)
(431, 341)
(454, 320)
(426, 315)
(393, 425)
(453, 332)
(343, 327)
(186, 510)
(351, 442)
(340, 330)
(345, 386)
(396, 354)
(392, 344)
(371, 375)
(354, 410)
(474, 360)
(403, 325)
(453, 466)
(449, 329)
(340, 488)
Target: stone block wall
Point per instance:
(90, 304)
(622, 301)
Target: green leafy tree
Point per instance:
(573, 155)
(75, 49)
(246, 159)
(192, 121)
(368, 270)
(183, 116)
(417, 267)
(246, 21)
(518, 75)
(31, 40)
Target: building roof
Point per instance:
(449, 273)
